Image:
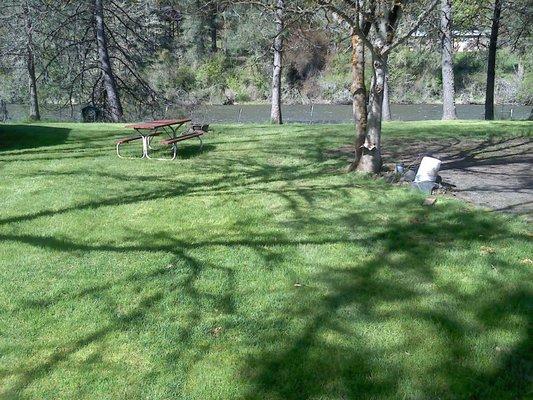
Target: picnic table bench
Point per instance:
(146, 131)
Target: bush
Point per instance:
(414, 76)
(185, 78)
(214, 71)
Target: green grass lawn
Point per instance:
(255, 269)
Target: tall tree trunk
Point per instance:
(199, 40)
(386, 99)
(448, 84)
(35, 114)
(4, 116)
(275, 114)
(110, 85)
(371, 157)
(491, 69)
(213, 31)
(359, 97)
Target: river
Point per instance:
(318, 113)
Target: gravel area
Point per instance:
(495, 173)
(500, 178)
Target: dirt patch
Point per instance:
(494, 173)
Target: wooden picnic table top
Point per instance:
(159, 123)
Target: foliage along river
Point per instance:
(318, 113)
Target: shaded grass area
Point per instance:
(254, 269)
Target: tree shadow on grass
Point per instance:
(341, 354)
(177, 279)
(26, 376)
(253, 177)
(361, 337)
(381, 319)
(190, 150)
(20, 137)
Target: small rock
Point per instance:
(487, 250)
(441, 189)
(391, 177)
(92, 114)
(430, 201)
(216, 331)
(388, 167)
(399, 168)
(409, 176)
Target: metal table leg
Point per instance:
(174, 148)
(146, 145)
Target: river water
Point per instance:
(318, 113)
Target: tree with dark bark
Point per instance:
(510, 24)
(115, 111)
(206, 25)
(4, 115)
(213, 29)
(199, 37)
(35, 114)
(491, 65)
(95, 52)
(448, 77)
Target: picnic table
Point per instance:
(146, 131)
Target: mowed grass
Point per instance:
(254, 269)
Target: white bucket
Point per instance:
(428, 170)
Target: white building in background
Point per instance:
(474, 40)
(470, 40)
